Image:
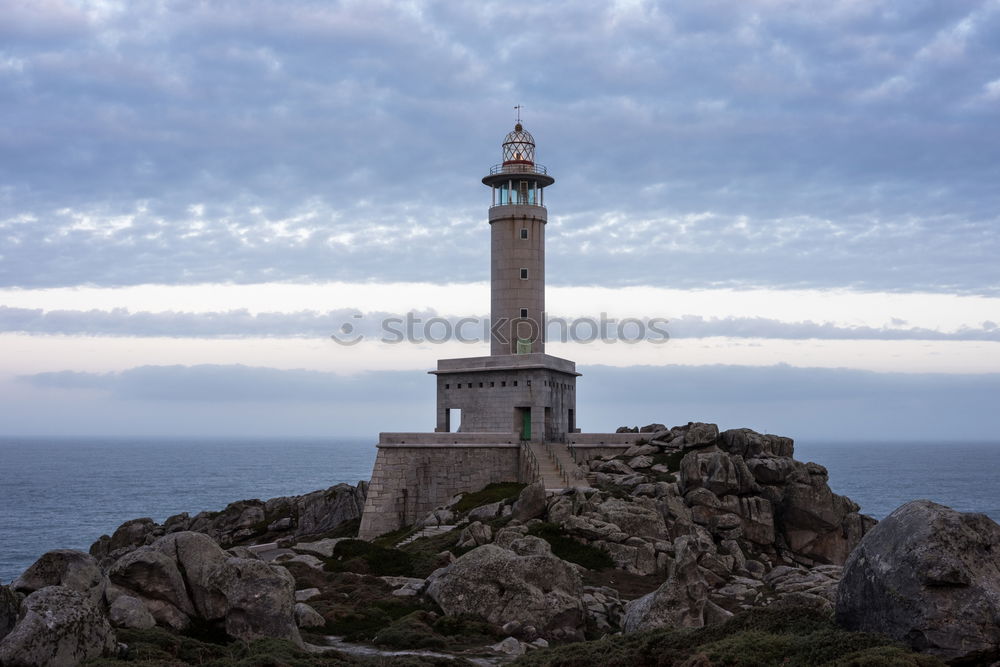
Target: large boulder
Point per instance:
(500, 586)
(321, 511)
(64, 567)
(719, 472)
(698, 434)
(59, 627)
(239, 521)
(531, 502)
(749, 444)
(197, 558)
(636, 517)
(129, 612)
(819, 524)
(260, 600)
(10, 603)
(186, 575)
(929, 576)
(153, 577)
(681, 601)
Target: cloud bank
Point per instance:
(695, 143)
(811, 403)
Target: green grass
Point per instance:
(491, 493)
(365, 622)
(413, 631)
(160, 648)
(776, 635)
(394, 537)
(368, 558)
(565, 547)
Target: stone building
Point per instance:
(508, 416)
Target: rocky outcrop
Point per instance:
(244, 521)
(928, 576)
(10, 603)
(682, 600)
(185, 576)
(59, 627)
(129, 612)
(64, 567)
(499, 586)
(307, 617)
(259, 600)
(530, 502)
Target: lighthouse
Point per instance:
(518, 390)
(503, 417)
(517, 220)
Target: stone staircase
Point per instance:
(430, 531)
(556, 467)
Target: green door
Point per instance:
(526, 424)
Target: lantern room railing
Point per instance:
(518, 168)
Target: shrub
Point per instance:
(367, 558)
(464, 626)
(567, 548)
(491, 493)
(411, 632)
(773, 635)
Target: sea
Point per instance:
(66, 492)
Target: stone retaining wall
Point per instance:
(410, 480)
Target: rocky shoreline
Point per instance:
(709, 546)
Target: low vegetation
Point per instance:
(491, 493)
(159, 648)
(776, 635)
(565, 547)
(428, 630)
(369, 558)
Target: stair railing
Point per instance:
(532, 462)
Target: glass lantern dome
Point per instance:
(519, 147)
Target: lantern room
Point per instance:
(518, 180)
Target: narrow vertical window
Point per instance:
(524, 234)
(524, 313)
(524, 274)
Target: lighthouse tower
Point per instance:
(517, 247)
(517, 392)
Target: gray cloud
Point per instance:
(386, 326)
(831, 404)
(235, 383)
(695, 143)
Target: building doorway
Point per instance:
(522, 423)
(453, 416)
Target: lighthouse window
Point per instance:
(524, 274)
(524, 313)
(524, 234)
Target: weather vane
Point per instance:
(518, 109)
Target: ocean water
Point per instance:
(65, 493)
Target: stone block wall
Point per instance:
(410, 480)
(489, 400)
(509, 293)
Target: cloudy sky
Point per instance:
(194, 195)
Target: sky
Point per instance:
(195, 195)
